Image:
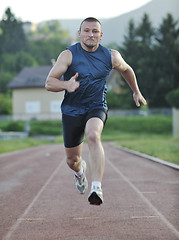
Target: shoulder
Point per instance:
(65, 53)
(116, 58)
(118, 63)
(104, 49)
(69, 51)
(65, 56)
(74, 47)
(115, 55)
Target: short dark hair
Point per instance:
(90, 19)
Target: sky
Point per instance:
(37, 11)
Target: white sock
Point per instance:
(95, 184)
(78, 174)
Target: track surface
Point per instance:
(38, 200)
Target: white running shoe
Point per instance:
(81, 183)
(96, 196)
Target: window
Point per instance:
(55, 106)
(32, 107)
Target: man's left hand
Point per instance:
(138, 98)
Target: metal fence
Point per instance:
(111, 112)
(139, 112)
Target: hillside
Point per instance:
(114, 29)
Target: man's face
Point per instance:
(90, 35)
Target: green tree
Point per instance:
(12, 38)
(52, 29)
(24, 59)
(5, 78)
(173, 98)
(154, 55)
(15, 62)
(44, 50)
(48, 41)
(122, 100)
(145, 36)
(13, 45)
(166, 60)
(145, 32)
(129, 48)
(11, 64)
(137, 49)
(130, 53)
(5, 104)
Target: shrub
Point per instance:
(45, 127)
(14, 126)
(138, 124)
(5, 104)
(173, 98)
(122, 100)
(133, 124)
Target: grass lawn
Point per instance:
(161, 146)
(19, 144)
(150, 135)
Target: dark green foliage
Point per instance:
(5, 104)
(150, 124)
(152, 52)
(154, 56)
(18, 50)
(173, 98)
(45, 128)
(44, 50)
(5, 78)
(14, 62)
(12, 38)
(166, 60)
(36, 127)
(16, 126)
(138, 124)
(122, 100)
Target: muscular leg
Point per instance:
(93, 130)
(74, 157)
(79, 167)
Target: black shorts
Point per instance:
(74, 127)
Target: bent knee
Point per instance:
(72, 161)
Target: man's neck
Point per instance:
(88, 48)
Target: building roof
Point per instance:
(30, 77)
(34, 77)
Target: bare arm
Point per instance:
(127, 72)
(53, 83)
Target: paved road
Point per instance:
(39, 202)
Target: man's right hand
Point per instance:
(73, 84)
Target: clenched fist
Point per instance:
(73, 84)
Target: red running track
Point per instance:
(38, 200)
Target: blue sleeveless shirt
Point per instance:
(93, 69)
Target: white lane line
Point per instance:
(164, 220)
(17, 223)
(141, 217)
(8, 154)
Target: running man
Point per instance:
(85, 67)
